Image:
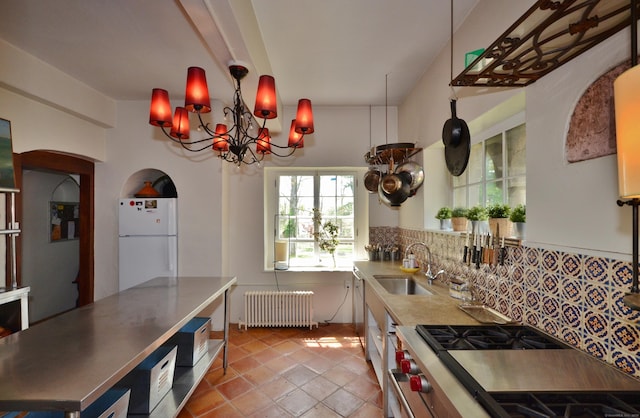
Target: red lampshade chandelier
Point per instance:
(232, 144)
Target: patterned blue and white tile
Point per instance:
(550, 261)
(571, 265)
(621, 273)
(627, 362)
(597, 269)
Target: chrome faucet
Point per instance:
(429, 275)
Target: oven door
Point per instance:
(409, 404)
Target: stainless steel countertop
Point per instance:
(67, 362)
(542, 371)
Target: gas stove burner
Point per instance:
(508, 337)
(571, 405)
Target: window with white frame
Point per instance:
(291, 195)
(496, 172)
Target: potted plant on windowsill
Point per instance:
(499, 222)
(444, 215)
(459, 219)
(519, 218)
(478, 217)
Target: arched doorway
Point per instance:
(67, 164)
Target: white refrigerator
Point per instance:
(148, 240)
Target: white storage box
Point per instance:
(192, 341)
(151, 380)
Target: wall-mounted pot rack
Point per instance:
(397, 152)
(548, 35)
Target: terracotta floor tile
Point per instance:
(234, 388)
(343, 402)
(362, 388)
(277, 388)
(339, 375)
(251, 402)
(254, 346)
(245, 364)
(280, 364)
(259, 375)
(302, 355)
(297, 402)
(320, 411)
(272, 411)
(266, 355)
(205, 403)
(367, 411)
(319, 364)
(319, 388)
(299, 375)
(289, 372)
(286, 347)
(225, 411)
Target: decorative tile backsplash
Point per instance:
(575, 297)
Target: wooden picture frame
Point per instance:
(7, 176)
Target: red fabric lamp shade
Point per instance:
(160, 111)
(266, 107)
(197, 94)
(295, 139)
(263, 144)
(304, 117)
(626, 93)
(180, 128)
(221, 138)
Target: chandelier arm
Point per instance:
(205, 125)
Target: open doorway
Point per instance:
(83, 170)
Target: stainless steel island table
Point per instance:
(69, 361)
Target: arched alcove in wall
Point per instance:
(160, 181)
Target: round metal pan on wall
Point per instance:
(457, 143)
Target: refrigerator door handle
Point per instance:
(172, 217)
(172, 258)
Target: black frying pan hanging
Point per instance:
(457, 143)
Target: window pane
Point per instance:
(460, 197)
(494, 192)
(516, 150)
(460, 180)
(517, 191)
(475, 195)
(474, 167)
(493, 158)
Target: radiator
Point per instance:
(278, 309)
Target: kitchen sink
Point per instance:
(401, 285)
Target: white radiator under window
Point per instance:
(278, 309)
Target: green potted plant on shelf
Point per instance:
(459, 219)
(499, 222)
(519, 218)
(444, 215)
(478, 217)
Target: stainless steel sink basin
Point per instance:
(401, 285)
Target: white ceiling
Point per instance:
(335, 52)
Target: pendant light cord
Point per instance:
(634, 33)
(451, 54)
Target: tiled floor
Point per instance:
(289, 372)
